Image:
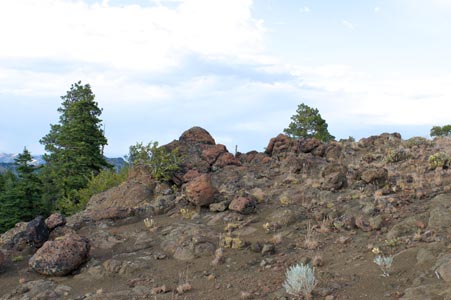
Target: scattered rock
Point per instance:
(55, 220)
(62, 256)
(243, 205)
(268, 249)
(376, 176)
(218, 207)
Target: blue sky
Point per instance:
(238, 68)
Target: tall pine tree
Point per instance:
(74, 147)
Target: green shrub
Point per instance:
(439, 159)
(396, 155)
(78, 200)
(161, 162)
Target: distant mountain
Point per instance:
(7, 162)
(8, 158)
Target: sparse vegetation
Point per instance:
(396, 155)
(300, 280)
(161, 163)
(439, 159)
(385, 263)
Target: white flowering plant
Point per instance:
(384, 262)
(300, 280)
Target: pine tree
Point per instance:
(307, 122)
(21, 195)
(74, 146)
(8, 212)
(28, 188)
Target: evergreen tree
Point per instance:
(20, 196)
(307, 122)
(74, 146)
(441, 131)
(28, 187)
(8, 212)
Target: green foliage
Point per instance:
(307, 122)
(441, 131)
(105, 180)
(396, 155)
(20, 196)
(74, 145)
(161, 162)
(439, 159)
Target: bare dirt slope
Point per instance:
(231, 225)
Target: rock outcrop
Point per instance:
(234, 223)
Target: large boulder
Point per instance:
(334, 177)
(197, 135)
(26, 235)
(281, 145)
(135, 192)
(200, 190)
(62, 256)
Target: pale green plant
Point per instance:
(300, 280)
(385, 263)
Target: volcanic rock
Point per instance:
(62, 256)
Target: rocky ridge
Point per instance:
(228, 226)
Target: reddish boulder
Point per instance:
(190, 175)
(197, 135)
(55, 220)
(308, 145)
(281, 144)
(200, 190)
(61, 257)
(243, 205)
(226, 159)
(212, 153)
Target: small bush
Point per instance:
(439, 159)
(384, 262)
(396, 155)
(162, 163)
(300, 280)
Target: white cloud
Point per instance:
(347, 24)
(127, 37)
(394, 99)
(305, 9)
(377, 9)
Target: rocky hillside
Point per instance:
(230, 226)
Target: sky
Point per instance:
(238, 68)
